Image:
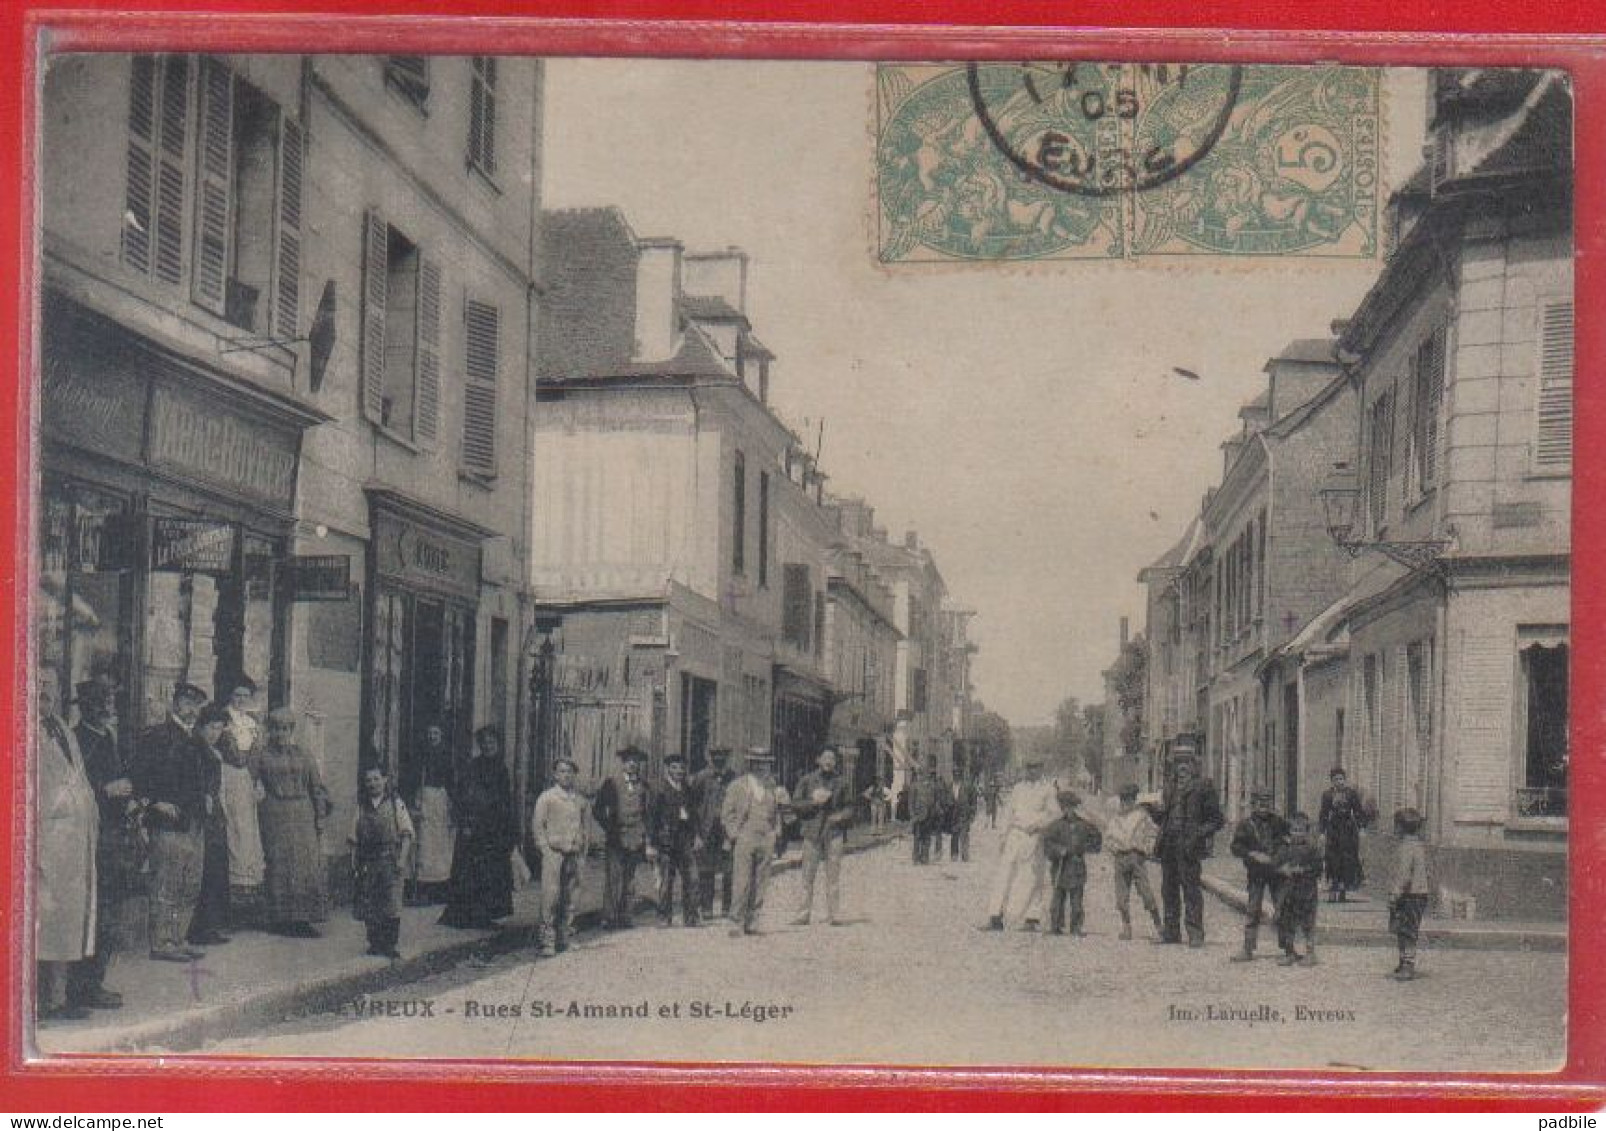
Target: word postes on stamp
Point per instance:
(1030, 161)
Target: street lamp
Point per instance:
(1341, 505)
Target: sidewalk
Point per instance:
(1364, 921)
(258, 977)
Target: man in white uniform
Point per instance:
(1022, 871)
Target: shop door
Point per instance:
(697, 698)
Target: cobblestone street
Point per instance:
(911, 979)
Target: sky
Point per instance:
(1025, 420)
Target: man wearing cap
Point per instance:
(621, 808)
(1019, 876)
(171, 779)
(751, 816)
(928, 794)
(673, 838)
(1189, 818)
(708, 788)
(1256, 842)
(824, 806)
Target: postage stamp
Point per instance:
(1059, 160)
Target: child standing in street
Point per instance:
(1066, 843)
(381, 837)
(1130, 836)
(1408, 896)
(1299, 864)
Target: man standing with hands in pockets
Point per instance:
(824, 806)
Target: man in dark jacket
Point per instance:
(928, 802)
(1066, 844)
(1189, 818)
(1255, 841)
(962, 816)
(823, 803)
(120, 850)
(672, 823)
(708, 787)
(621, 808)
(171, 778)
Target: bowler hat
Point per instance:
(631, 754)
(189, 691)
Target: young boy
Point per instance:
(1299, 865)
(1066, 843)
(381, 836)
(1408, 899)
(1130, 836)
(1255, 841)
(559, 828)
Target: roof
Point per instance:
(1179, 553)
(697, 359)
(1291, 422)
(1316, 350)
(711, 308)
(1324, 629)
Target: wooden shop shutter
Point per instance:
(482, 364)
(1553, 444)
(287, 249)
(214, 204)
(427, 393)
(376, 269)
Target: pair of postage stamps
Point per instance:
(1050, 160)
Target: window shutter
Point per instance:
(482, 115)
(139, 218)
(797, 605)
(1431, 361)
(214, 191)
(482, 362)
(427, 392)
(170, 173)
(376, 268)
(287, 260)
(1553, 445)
(410, 73)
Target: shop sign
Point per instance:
(201, 438)
(321, 577)
(94, 405)
(415, 555)
(192, 545)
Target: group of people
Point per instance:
(937, 806)
(210, 811)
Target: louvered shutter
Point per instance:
(376, 268)
(170, 172)
(139, 215)
(1553, 445)
(1431, 360)
(215, 186)
(482, 115)
(427, 392)
(482, 364)
(287, 258)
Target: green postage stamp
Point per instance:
(1029, 161)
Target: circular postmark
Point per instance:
(1101, 129)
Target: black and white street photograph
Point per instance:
(953, 564)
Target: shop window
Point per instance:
(482, 116)
(408, 75)
(1542, 788)
(83, 613)
(481, 365)
(401, 334)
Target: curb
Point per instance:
(322, 993)
(1490, 937)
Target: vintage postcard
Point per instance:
(1057, 563)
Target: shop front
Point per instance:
(801, 724)
(424, 570)
(166, 501)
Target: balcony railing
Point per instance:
(1534, 802)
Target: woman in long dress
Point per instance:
(1342, 815)
(239, 792)
(481, 888)
(430, 794)
(291, 815)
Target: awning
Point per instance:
(1327, 633)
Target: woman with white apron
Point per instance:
(432, 814)
(240, 791)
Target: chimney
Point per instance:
(1126, 632)
(657, 298)
(722, 273)
(911, 540)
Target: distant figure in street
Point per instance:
(962, 814)
(428, 789)
(876, 798)
(621, 808)
(380, 839)
(1342, 816)
(481, 887)
(674, 840)
(67, 821)
(1408, 894)
(1129, 838)
(929, 796)
(1256, 841)
(824, 806)
(292, 814)
(1067, 843)
(173, 781)
(751, 816)
(990, 796)
(119, 852)
(1022, 867)
(1299, 864)
(558, 827)
(708, 788)
(1190, 817)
